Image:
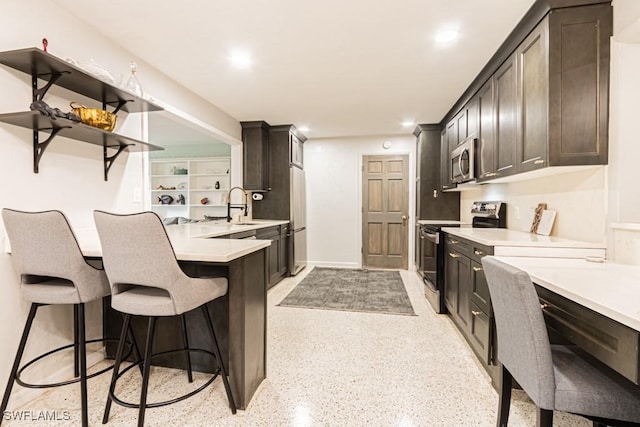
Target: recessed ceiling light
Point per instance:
(447, 35)
(408, 123)
(240, 59)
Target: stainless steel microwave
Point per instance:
(462, 161)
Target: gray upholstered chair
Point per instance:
(52, 270)
(146, 280)
(554, 377)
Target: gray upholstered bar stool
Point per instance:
(52, 270)
(554, 377)
(146, 280)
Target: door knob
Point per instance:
(404, 217)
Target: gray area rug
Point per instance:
(351, 290)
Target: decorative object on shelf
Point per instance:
(162, 187)
(546, 222)
(179, 171)
(133, 84)
(182, 186)
(217, 186)
(45, 43)
(52, 70)
(537, 217)
(95, 117)
(204, 201)
(54, 113)
(181, 200)
(165, 199)
(98, 71)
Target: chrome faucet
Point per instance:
(241, 207)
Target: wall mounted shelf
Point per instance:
(78, 131)
(44, 66)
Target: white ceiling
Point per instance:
(340, 67)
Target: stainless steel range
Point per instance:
(431, 254)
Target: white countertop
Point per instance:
(191, 242)
(217, 229)
(506, 237)
(610, 289)
(507, 242)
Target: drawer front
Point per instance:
(480, 336)
(612, 343)
(479, 288)
(460, 245)
(477, 251)
(267, 233)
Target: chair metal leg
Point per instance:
(82, 347)
(116, 366)
(147, 367)
(76, 360)
(136, 349)
(218, 354)
(544, 418)
(16, 362)
(185, 338)
(506, 383)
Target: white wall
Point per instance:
(334, 195)
(623, 232)
(71, 172)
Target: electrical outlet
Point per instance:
(137, 195)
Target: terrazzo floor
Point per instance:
(327, 368)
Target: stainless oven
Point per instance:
(431, 264)
(429, 239)
(462, 161)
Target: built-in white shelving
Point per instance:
(203, 182)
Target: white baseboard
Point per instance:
(20, 396)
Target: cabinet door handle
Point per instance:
(477, 268)
(452, 255)
(544, 305)
(478, 252)
(476, 313)
(538, 162)
(453, 242)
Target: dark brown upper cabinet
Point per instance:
(543, 99)
(533, 100)
(431, 203)
(485, 149)
(506, 111)
(255, 139)
(579, 85)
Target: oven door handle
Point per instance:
(433, 237)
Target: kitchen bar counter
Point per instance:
(190, 243)
(610, 289)
(521, 243)
(239, 316)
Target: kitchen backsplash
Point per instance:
(579, 198)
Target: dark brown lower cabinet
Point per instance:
(467, 299)
(276, 253)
